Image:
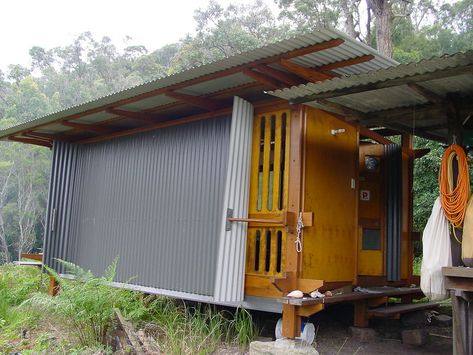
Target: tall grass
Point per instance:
(86, 306)
(17, 284)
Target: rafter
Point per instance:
(426, 93)
(46, 136)
(349, 113)
(199, 101)
(288, 79)
(311, 49)
(368, 133)
(40, 142)
(308, 74)
(263, 79)
(140, 116)
(87, 127)
(405, 129)
(346, 62)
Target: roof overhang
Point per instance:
(419, 98)
(205, 91)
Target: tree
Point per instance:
(222, 32)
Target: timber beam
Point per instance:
(285, 78)
(43, 143)
(157, 125)
(87, 127)
(346, 63)
(426, 93)
(263, 79)
(48, 136)
(368, 133)
(349, 113)
(310, 49)
(308, 74)
(199, 101)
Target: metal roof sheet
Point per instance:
(381, 75)
(400, 98)
(349, 49)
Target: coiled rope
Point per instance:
(454, 199)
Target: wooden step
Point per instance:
(390, 311)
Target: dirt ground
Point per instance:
(333, 334)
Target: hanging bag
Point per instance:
(467, 242)
(436, 254)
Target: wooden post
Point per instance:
(455, 135)
(291, 320)
(360, 316)
(53, 287)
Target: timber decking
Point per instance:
(374, 292)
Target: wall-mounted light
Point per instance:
(337, 131)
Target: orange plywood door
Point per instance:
(331, 165)
(371, 233)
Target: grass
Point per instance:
(80, 319)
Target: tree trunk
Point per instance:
(347, 8)
(383, 30)
(382, 10)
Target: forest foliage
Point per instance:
(90, 67)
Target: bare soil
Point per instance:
(333, 335)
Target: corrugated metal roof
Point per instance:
(386, 97)
(349, 49)
(381, 75)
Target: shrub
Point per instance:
(86, 306)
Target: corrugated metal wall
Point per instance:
(393, 158)
(154, 199)
(229, 284)
(58, 216)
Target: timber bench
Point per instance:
(28, 263)
(38, 260)
(365, 301)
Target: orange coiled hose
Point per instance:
(454, 200)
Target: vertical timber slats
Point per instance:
(266, 245)
(230, 270)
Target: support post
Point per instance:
(53, 287)
(291, 320)
(455, 135)
(360, 316)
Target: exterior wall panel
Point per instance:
(154, 200)
(229, 285)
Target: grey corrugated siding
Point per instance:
(154, 200)
(229, 285)
(59, 203)
(393, 211)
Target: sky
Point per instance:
(52, 23)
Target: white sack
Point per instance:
(436, 254)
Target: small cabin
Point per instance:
(238, 181)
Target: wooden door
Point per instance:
(371, 236)
(331, 164)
